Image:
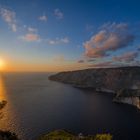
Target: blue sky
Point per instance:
(55, 35)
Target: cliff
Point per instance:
(107, 80)
(128, 96)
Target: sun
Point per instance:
(2, 64)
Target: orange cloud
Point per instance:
(111, 38)
(31, 37)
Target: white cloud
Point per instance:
(43, 18)
(30, 29)
(9, 17)
(58, 14)
(58, 41)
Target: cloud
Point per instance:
(81, 61)
(102, 64)
(91, 60)
(110, 38)
(9, 17)
(43, 18)
(58, 14)
(126, 57)
(30, 37)
(111, 64)
(58, 41)
(30, 29)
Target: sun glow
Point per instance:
(2, 64)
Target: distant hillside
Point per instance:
(105, 79)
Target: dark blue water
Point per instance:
(37, 105)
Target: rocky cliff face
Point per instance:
(128, 96)
(135, 101)
(103, 79)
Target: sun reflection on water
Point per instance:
(2, 89)
(9, 121)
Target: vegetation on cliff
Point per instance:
(64, 135)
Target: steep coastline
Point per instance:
(124, 82)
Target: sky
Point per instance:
(62, 35)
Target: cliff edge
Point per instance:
(111, 80)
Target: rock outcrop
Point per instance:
(128, 96)
(106, 80)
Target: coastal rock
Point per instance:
(135, 101)
(128, 96)
(111, 80)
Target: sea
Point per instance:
(36, 106)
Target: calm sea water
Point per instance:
(37, 105)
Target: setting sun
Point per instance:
(2, 64)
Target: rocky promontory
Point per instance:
(114, 80)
